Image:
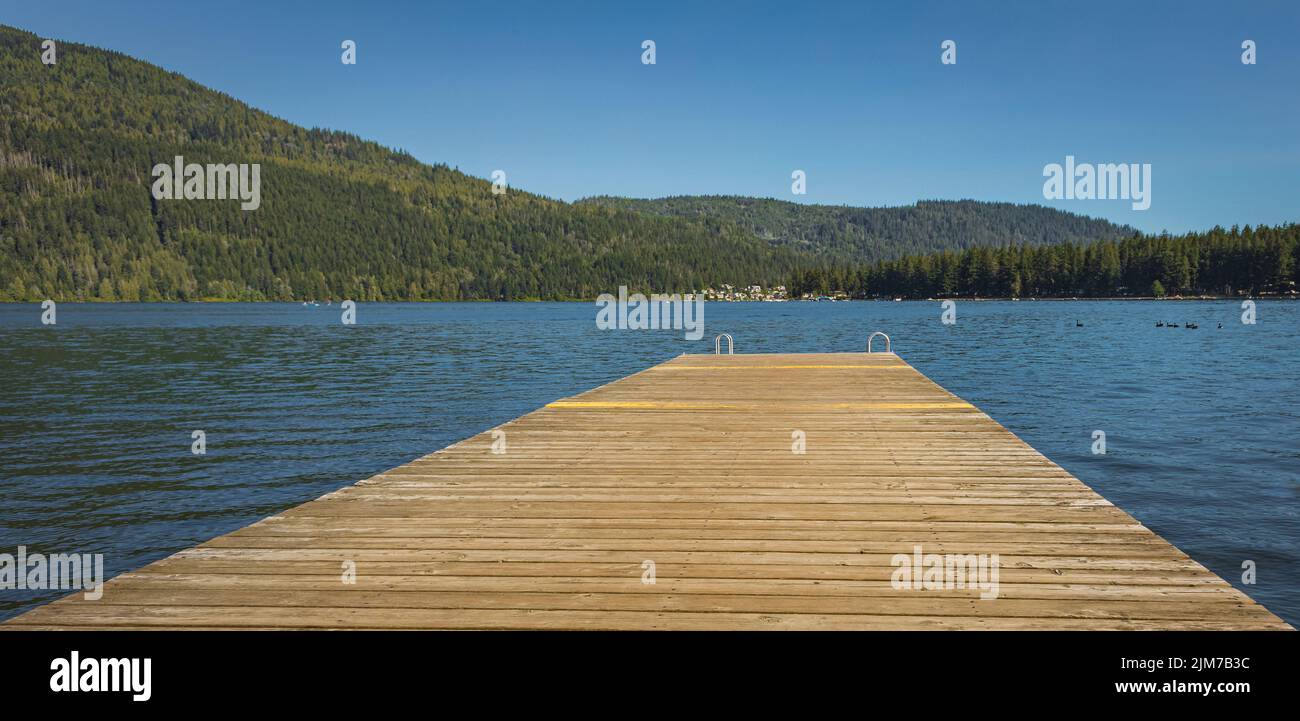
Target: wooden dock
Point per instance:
(692, 465)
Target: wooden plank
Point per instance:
(690, 465)
(588, 584)
(263, 617)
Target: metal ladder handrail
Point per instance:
(888, 344)
(717, 344)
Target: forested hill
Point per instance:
(849, 234)
(339, 217)
(343, 217)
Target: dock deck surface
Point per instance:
(691, 465)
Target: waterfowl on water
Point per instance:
(1160, 324)
(1078, 324)
(1191, 325)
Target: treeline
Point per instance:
(339, 217)
(1249, 260)
(840, 234)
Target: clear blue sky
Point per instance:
(555, 94)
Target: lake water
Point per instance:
(96, 412)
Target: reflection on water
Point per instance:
(96, 413)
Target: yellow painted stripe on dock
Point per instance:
(898, 366)
(773, 500)
(681, 405)
(892, 406)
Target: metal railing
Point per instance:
(888, 344)
(717, 344)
